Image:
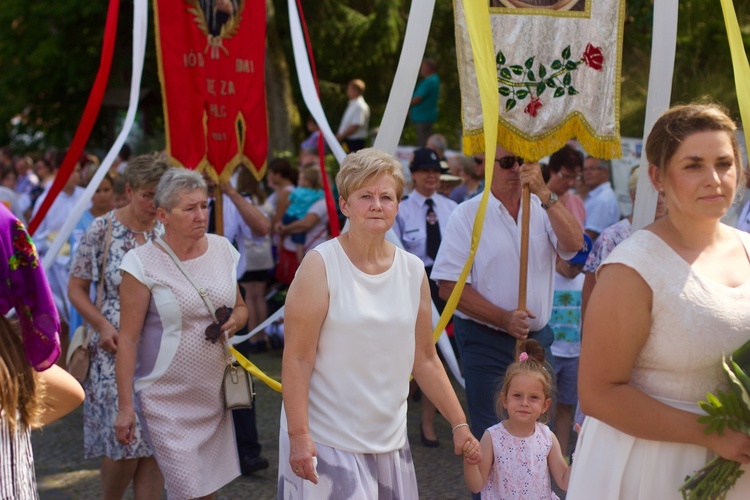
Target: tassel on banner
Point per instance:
(538, 147)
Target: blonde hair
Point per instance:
(358, 84)
(312, 175)
(534, 365)
(684, 120)
(20, 389)
(362, 167)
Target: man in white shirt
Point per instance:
(487, 321)
(602, 209)
(356, 119)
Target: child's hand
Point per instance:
(472, 452)
(466, 444)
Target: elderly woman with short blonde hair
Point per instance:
(358, 324)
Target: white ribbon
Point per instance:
(415, 40)
(663, 49)
(307, 83)
(140, 30)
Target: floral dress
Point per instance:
(100, 407)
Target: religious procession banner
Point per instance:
(211, 66)
(558, 75)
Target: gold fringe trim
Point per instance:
(535, 148)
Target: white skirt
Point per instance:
(349, 476)
(609, 464)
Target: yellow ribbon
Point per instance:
(254, 370)
(740, 64)
(482, 47)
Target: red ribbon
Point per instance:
(333, 215)
(89, 116)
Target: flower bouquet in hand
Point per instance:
(725, 409)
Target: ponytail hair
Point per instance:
(530, 360)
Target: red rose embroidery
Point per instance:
(593, 57)
(533, 107)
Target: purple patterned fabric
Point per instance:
(24, 286)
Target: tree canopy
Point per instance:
(49, 55)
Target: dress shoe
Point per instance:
(430, 443)
(249, 464)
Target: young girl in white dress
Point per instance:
(519, 453)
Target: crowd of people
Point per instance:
(622, 332)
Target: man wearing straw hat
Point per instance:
(487, 321)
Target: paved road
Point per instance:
(63, 473)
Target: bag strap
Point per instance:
(201, 291)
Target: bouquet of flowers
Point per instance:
(725, 409)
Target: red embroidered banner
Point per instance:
(211, 66)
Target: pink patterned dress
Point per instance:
(520, 470)
(179, 373)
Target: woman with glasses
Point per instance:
(115, 233)
(173, 353)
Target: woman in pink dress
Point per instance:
(168, 371)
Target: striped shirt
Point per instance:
(17, 478)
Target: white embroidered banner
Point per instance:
(558, 70)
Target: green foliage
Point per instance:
(723, 410)
(49, 55)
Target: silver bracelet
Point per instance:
(457, 426)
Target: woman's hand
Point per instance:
(464, 443)
(125, 425)
(108, 338)
(279, 229)
(731, 445)
(301, 453)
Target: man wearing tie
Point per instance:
(422, 217)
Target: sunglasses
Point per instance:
(507, 162)
(213, 331)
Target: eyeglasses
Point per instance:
(569, 177)
(478, 160)
(507, 162)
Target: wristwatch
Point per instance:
(552, 200)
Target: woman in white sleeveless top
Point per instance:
(357, 324)
(668, 302)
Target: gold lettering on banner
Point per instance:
(193, 59)
(245, 66)
(219, 136)
(218, 111)
(211, 86)
(227, 87)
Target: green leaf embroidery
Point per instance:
(516, 69)
(542, 71)
(566, 52)
(572, 90)
(559, 92)
(530, 76)
(556, 64)
(571, 65)
(529, 62)
(522, 94)
(551, 83)
(540, 89)
(566, 79)
(510, 104)
(500, 58)
(504, 91)
(505, 73)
